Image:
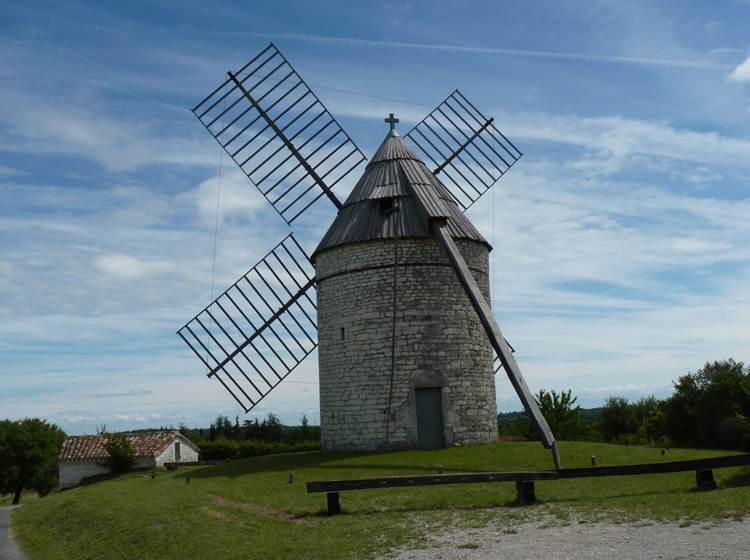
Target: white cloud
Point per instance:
(712, 26)
(6, 271)
(695, 245)
(470, 50)
(128, 267)
(9, 171)
(698, 176)
(612, 141)
(239, 198)
(85, 128)
(742, 72)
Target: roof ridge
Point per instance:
(392, 148)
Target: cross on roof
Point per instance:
(392, 121)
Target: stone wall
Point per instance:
(439, 343)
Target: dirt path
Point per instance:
(8, 548)
(726, 540)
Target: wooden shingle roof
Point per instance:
(86, 449)
(396, 172)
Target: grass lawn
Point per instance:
(26, 497)
(247, 509)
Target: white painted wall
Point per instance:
(72, 473)
(187, 453)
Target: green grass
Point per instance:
(26, 497)
(247, 509)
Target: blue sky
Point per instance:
(621, 237)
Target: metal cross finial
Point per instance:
(392, 121)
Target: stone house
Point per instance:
(84, 456)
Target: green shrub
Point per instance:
(225, 449)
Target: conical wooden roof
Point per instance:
(395, 172)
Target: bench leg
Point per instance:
(334, 503)
(705, 480)
(525, 493)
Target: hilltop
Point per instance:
(249, 508)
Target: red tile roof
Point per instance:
(146, 445)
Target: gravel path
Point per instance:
(8, 548)
(726, 540)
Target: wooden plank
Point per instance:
(656, 468)
(525, 492)
(333, 502)
(426, 480)
(510, 476)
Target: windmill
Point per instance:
(396, 294)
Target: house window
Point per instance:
(342, 333)
(177, 451)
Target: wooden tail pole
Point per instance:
(496, 338)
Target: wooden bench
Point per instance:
(524, 480)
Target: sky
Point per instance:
(620, 239)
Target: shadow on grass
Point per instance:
(739, 479)
(145, 472)
(316, 460)
(511, 505)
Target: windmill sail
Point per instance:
(261, 328)
(464, 148)
(280, 135)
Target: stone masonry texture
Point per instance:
(439, 342)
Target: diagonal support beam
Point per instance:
(496, 337)
(438, 223)
(300, 158)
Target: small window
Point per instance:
(177, 451)
(387, 204)
(342, 333)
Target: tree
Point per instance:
(616, 418)
(516, 424)
(560, 412)
(305, 432)
(29, 451)
(633, 423)
(711, 406)
(121, 454)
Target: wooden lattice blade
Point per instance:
(278, 132)
(463, 148)
(261, 328)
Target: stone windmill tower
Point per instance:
(404, 360)
(396, 292)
